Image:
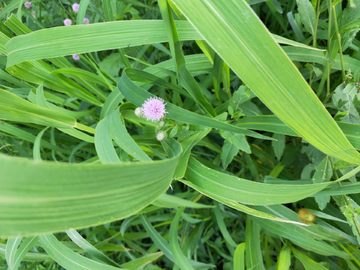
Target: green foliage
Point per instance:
(257, 127)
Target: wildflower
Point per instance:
(138, 112)
(154, 109)
(27, 5)
(67, 22)
(76, 57)
(75, 7)
(86, 21)
(161, 135)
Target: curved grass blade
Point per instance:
(239, 262)
(248, 48)
(179, 256)
(11, 248)
(104, 145)
(63, 196)
(245, 191)
(68, 258)
(143, 261)
(23, 249)
(37, 144)
(120, 135)
(90, 249)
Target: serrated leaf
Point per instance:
(228, 152)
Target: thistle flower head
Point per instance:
(154, 109)
(161, 135)
(306, 215)
(138, 112)
(86, 21)
(27, 4)
(75, 7)
(67, 22)
(75, 57)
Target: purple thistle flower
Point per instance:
(86, 21)
(27, 4)
(76, 57)
(154, 109)
(75, 7)
(67, 22)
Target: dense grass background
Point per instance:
(258, 168)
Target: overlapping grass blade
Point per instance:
(249, 49)
(245, 191)
(68, 258)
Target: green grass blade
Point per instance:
(63, 196)
(253, 251)
(23, 249)
(222, 227)
(170, 201)
(120, 135)
(284, 259)
(90, 249)
(245, 191)
(239, 262)
(238, 206)
(37, 144)
(179, 256)
(68, 258)
(143, 261)
(11, 248)
(248, 48)
(104, 145)
(16, 109)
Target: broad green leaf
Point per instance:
(63, 196)
(307, 15)
(68, 258)
(278, 145)
(252, 53)
(323, 174)
(16, 109)
(245, 191)
(237, 140)
(228, 152)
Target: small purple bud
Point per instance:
(86, 21)
(27, 4)
(75, 7)
(67, 22)
(76, 57)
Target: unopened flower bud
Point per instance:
(138, 112)
(161, 136)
